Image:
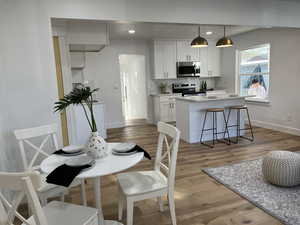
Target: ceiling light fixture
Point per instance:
(131, 31)
(199, 42)
(224, 42)
(209, 32)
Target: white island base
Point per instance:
(190, 113)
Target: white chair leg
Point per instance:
(83, 193)
(129, 211)
(172, 208)
(43, 200)
(120, 205)
(161, 204)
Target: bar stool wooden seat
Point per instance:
(238, 109)
(214, 128)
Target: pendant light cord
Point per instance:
(199, 31)
(224, 31)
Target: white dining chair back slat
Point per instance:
(136, 186)
(23, 184)
(165, 131)
(47, 133)
(25, 136)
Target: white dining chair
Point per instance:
(47, 132)
(136, 186)
(55, 213)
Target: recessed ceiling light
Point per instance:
(209, 32)
(131, 31)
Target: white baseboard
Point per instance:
(115, 125)
(277, 127)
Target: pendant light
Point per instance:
(199, 42)
(224, 42)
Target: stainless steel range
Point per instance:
(186, 89)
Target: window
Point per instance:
(253, 72)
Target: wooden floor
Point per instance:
(199, 199)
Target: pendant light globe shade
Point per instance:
(224, 43)
(199, 42)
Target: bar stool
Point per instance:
(214, 129)
(238, 125)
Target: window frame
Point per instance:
(238, 75)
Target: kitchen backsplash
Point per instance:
(154, 84)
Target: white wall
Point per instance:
(236, 12)
(103, 67)
(283, 111)
(28, 85)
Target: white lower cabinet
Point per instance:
(164, 108)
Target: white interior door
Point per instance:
(133, 81)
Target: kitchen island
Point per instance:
(190, 112)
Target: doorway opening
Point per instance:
(133, 87)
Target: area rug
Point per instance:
(246, 179)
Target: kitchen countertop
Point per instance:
(170, 94)
(206, 99)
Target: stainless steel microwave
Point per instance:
(188, 69)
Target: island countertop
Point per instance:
(215, 98)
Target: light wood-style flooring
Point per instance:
(200, 200)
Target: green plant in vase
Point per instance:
(83, 96)
(163, 88)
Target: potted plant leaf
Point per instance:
(163, 88)
(96, 145)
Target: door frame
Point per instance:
(122, 84)
(60, 87)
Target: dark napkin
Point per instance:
(64, 174)
(137, 148)
(61, 152)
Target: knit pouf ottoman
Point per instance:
(282, 168)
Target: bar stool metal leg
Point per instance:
(226, 129)
(214, 128)
(203, 127)
(238, 123)
(250, 127)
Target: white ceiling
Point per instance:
(171, 31)
(149, 31)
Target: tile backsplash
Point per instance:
(154, 84)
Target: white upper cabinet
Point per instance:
(164, 53)
(204, 61)
(214, 61)
(77, 60)
(87, 36)
(186, 53)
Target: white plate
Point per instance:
(123, 147)
(80, 161)
(73, 148)
(123, 153)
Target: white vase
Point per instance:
(96, 146)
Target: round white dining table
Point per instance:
(105, 166)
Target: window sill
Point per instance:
(259, 101)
